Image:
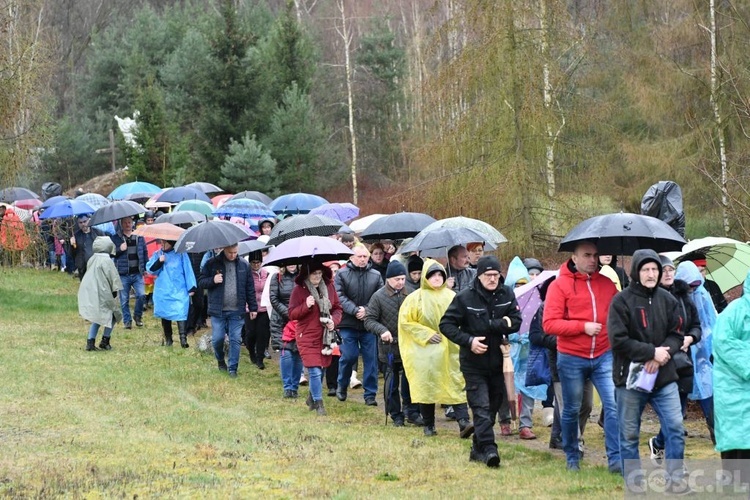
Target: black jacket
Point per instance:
(681, 291)
(640, 320)
(355, 286)
(477, 312)
(280, 291)
(245, 286)
(720, 302)
(382, 316)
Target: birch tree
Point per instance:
(718, 119)
(345, 32)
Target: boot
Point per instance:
(104, 344)
(91, 345)
(309, 402)
(167, 339)
(182, 329)
(319, 408)
(183, 341)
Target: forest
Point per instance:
(529, 114)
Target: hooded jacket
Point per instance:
(97, 295)
(642, 319)
(574, 299)
(478, 312)
(355, 286)
(174, 280)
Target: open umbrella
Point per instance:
(209, 235)
(363, 223)
(244, 208)
(492, 235)
(254, 195)
(115, 211)
(397, 226)
(196, 206)
(28, 203)
(181, 217)
(445, 237)
(341, 211)
(51, 201)
(160, 231)
(11, 194)
(140, 197)
(154, 202)
(94, 199)
(528, 299)
(67, 208)
(623, 234)
(178, 194)
(296, 203)
(727, 260)
(297, 250)
(250, 246)
(220, 199)
(123, 190)
(303, 225)
(205, 187)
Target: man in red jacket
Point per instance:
(576, 312)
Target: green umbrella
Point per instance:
(727, 260)
(493, 235)
(196, 205)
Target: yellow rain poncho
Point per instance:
(432, 369)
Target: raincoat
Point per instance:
(97, 300)
(174, 280)
(731, 349)
(519, 342)
(701, 352)
(13, 234)
(433, 370)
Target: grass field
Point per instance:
(144, 420)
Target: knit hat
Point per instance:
(414, 263)
(256, 255)
(395, 268)
(487, 263)
(666, 261)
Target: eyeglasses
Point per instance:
(492, 276)
(668, 270)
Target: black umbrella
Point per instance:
(397, 226)
(623, 234)
(205, 187)
(116, 210)
(182, 217)
(446, 237)
(253, 195)
(178, 194)
(303, 225)
(211, 234)
(251, 246)
(11, 194)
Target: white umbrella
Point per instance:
(362, 223)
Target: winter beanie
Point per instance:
(395, 268)
(487, 263)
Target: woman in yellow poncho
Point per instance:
(430, 360)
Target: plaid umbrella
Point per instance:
(94, 199)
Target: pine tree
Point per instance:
(249, 167)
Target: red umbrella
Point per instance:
(28, 203)
(219, 200)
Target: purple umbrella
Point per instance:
(528, 298)
(339, 211)
(305, 248)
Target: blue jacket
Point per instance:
(245, 285)
(121, 258)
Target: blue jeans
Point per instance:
(354, 343)
(315, 377)
(95, 329)
(229, 323)
(666, 403)
(136, 282)
(290, 364)
(574, 371)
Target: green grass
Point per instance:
(149, 421)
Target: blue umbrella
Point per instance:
(178, 194)
(55, 199)
(67, 208)
(296, 203)
(339, 211)
(122, 191)
(245, 208)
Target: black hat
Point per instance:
(487, 263)
(532, 263)
(414, 263)
(257, 255)
(395, 268)
(666, 261)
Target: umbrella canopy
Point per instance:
(340, 211)
(529, 300)
(303, 225)
(205, 187)
(115, 211)
(244, 208)
(445, 237)
(363, 223)
(28, 204)
(397, 226)
(623, 234)
(297, 250)
(178, 194)
(219, 200)
(254, 195)
(67, 208)
(727, 260)
(296, 203)
(209, 235)
(492, 234)
(160, 231)
(11, 194)
(50, 201)
(199, 206)
(94, 199)
(154, 202)
(250, 246)
(140, 197)
(120, 192)
(181, 217)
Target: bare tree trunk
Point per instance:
(718, 120)
(346, 36)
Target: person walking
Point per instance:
(130, 259)
(258, 329)
(82, 243)
(97, 295)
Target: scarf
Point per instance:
(320, 295)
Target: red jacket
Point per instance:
(574, 299)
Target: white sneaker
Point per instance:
(354, 382)
(657, 454)
(548, 416)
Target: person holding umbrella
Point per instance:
(479, 320)
(315, 306)
(82, 243)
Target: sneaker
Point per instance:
(223, 366)
(128, 325)
(288, 394)
(138, 322)
(465, 428)
(331, 391)
(573, 466)
(233, 374)
(657, 454)
(266, 354)
(505, 430)
(526, 433)
(492, 459)
(341, 394)
(476, 456)
(548, 416)
(354, 382)
(415, 419)
(371, 402)
(430, 431)
(555, 443)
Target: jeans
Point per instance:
(707, 406)
(484, 394)
(527, 408)
(290, 364)
(136, 282)
(587, 404)
(666, 403)
(229, 323)
(95, 329)
(315, 377)
(355, 342)
(573, 372)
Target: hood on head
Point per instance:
(640, 257)
(429, 266)
(688, 272)
(103, 244)
(516, 272)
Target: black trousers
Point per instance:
(332, 373)
(195, 313)
(257, 335)
(484, 393)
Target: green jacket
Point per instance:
(97, 295)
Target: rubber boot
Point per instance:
(91, 345)
(309, 402)
(181, 327)
(104, 344)
(167, 339)
(319, 408)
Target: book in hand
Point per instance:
(639, 379)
